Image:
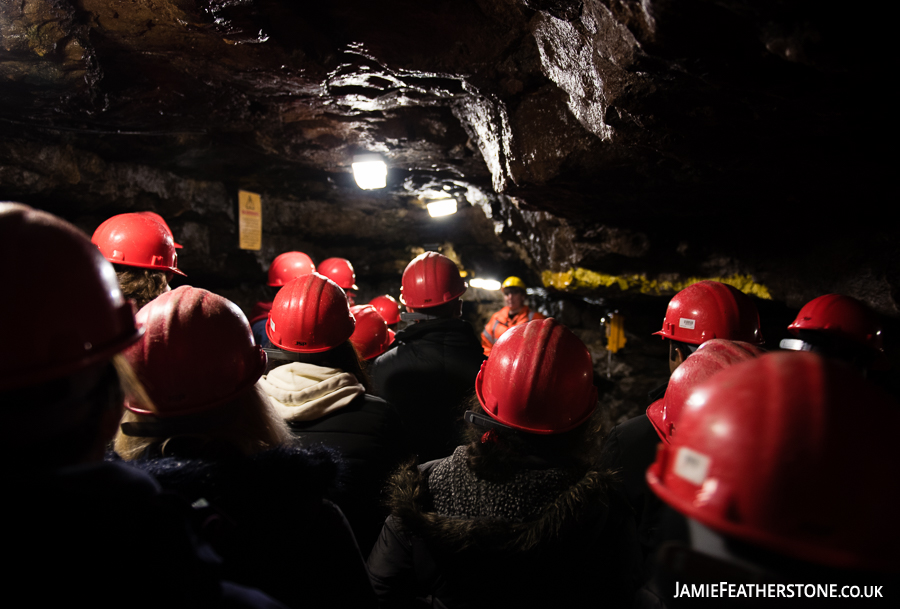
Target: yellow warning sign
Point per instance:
(250, 220)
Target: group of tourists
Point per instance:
(318, 455)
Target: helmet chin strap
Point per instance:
(276, 354)
(483, 421)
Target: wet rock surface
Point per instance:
(660, 139)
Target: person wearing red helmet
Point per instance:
(286, 266)
(706, 310)
(710, 358)
(61, 386)
(432, 363)
(318, 386)
(143, 253)
(75, 350)
(779, 482)
(340, 271)
(371, 337)
(701, 312)
(205, 430)
(199, 363)
(388, 308)
(842, 327)
(524, 501)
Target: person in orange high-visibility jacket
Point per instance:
(513, 314)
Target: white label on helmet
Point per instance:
(691, 465)
(272, 324)
(686, 323)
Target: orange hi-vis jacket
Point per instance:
(500, 322)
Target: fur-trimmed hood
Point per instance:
(553, 519)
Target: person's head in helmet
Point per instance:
(841, 327)
(59, 363)
(535, 390)
(514, 294)
(199, 365)
(711, 357)
(526, 497)
(340, 271)
(371, 337)
(311, 323)
(287, 266)
(431, 288)
(706, 310)
(784, 467)
(143, 253)
(389, 309)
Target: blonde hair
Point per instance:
(248, 423)
(129, 382)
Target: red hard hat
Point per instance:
(137, 240)
(388, 308)
(158, 218)
(310, 314)
(710, 309)
(197, 353)
(842, 316)
(340, 271)
(289, 265)
(538, 379)
(47, 337)
(430, 280)
(710, 358)
(371, 333)
(792, 452)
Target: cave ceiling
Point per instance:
(623, 138)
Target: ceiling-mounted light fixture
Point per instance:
(485, 284)
(369, 171)
(441, 207)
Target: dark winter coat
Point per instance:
(103, 535)
(629, 450)
(428, 372)
(368, 434)
(278, 533)
(549, 537)
(258, 318)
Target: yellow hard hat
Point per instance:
(513, 282)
